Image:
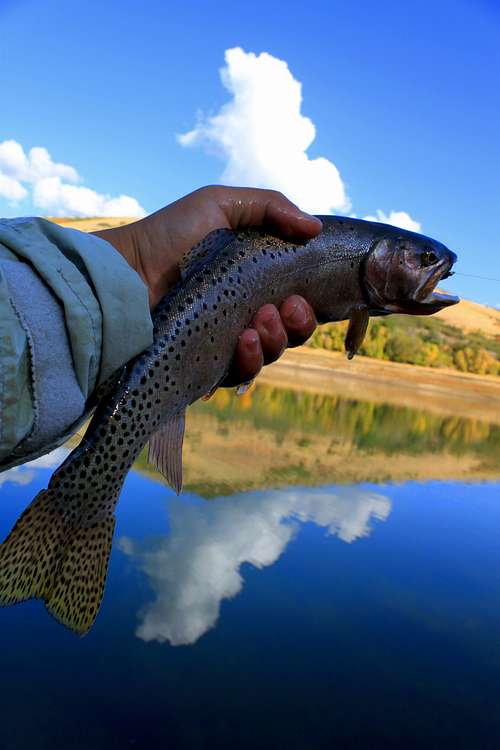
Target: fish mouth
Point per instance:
(427, 299)
(431, 298)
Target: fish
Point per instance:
(59, 549)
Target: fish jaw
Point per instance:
(432, 304)
(402, 273)
(428, 299)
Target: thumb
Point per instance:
(269, 209)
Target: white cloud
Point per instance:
(41, 165)
(11, 189)
(397, 219)
(13, 160)
(264, 137)
(54, 186)
(198, 564)
(14, 163)
(57, 198)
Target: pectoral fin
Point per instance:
(165, 450)
(356, 331)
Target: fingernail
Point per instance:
(299, 316)
(252, 342)
(244, 387)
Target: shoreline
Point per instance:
(441, 391)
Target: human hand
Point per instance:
(154, 246)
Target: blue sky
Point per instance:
(404, 98)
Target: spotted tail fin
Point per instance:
(49, 556)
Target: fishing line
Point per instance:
(473, 276)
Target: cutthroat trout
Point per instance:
(59, 549)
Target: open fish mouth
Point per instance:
(430, 297)
(427, 299)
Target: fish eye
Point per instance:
(429, 257)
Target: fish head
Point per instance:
(401, 273)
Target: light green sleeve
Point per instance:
(104, 304)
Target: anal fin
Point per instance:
(165, 450)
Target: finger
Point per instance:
(253, 207)
(273, 337)
(248, 359)
(298, 319)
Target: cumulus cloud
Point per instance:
(55, 187)
(11, 189)
(57, 198)
(31, 167)
(397, 219)
(198, 564)
(263, 137)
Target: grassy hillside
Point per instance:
(416, 340)
(465, 337)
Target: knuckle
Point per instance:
(278, 195)
(209, 190)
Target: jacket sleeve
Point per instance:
(72, 311)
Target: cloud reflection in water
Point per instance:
(197, 565)
(25, 473)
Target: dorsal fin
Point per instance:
(205, 251)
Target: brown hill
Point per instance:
(471, 316)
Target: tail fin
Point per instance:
(48, 556)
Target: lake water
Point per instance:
(330, 577)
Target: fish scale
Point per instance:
(59, 549)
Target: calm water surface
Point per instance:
(288, 610)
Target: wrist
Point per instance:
(145, 245)
(119, 238)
